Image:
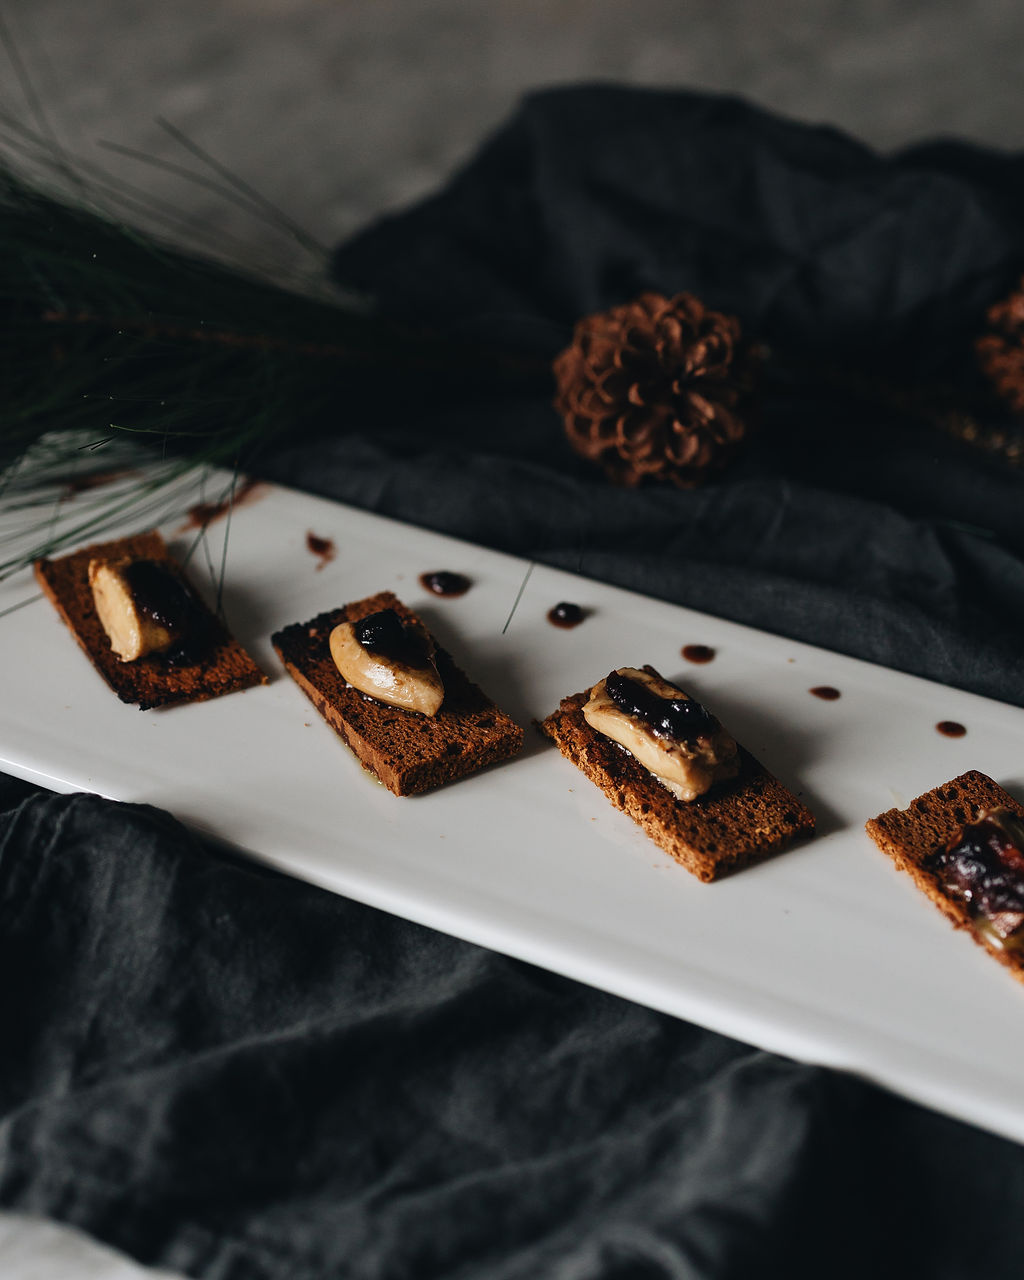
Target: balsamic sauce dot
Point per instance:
(826, 692)
(697, 652)
(565, 615)
(951, 728)
(322, 548)
(442, 582)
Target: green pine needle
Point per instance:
(109, 337)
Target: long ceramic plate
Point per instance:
(825, 953)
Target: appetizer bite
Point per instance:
(963, 845)
(666, 761)
(376, 675)
(133, 610)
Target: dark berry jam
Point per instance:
(826, 692)
(385, 634)
(983, 867)
(951, 728)
(444, 583)
(161, 596)
(565, 615)
(679, 719)
(697, 652)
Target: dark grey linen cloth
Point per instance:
(845, 523)
(237, 1075)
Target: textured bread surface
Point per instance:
(150, 681)
(740, 821)
(926, 825)
(407, 751)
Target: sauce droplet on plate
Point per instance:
(826, 692)
(95, 480)
(204, 513)
(444, 583)
(697, 652)
(565, 615)
(951, 728)
(323, 548)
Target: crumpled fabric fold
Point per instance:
(590, 196)
(238, 1075)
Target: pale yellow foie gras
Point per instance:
(131, 632)
(396, 683)
(686, 769)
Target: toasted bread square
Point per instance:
(739, 821)
(222, 666)
(927, 825)
(408, 752)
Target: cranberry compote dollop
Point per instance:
(162, 596)
(983, 865)
(681, 719)
(385, 634)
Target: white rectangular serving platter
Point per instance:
(825, 953)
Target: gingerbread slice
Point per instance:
(407, 751)
(740, 820)
(922, 840)
(215, 664)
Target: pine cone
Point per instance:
(651, 388)
(1001, 353)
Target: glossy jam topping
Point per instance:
(158, 593)
(385, 635)
(982, 866)
(162, 597)
(565, 615)
(678, 719)
(444, 583)
(826, 692)
(686, 766)
(697, 652)
(951, 728)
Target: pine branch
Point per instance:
(107, 334)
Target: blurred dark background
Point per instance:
(336, 110)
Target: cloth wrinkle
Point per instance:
(20, 819)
